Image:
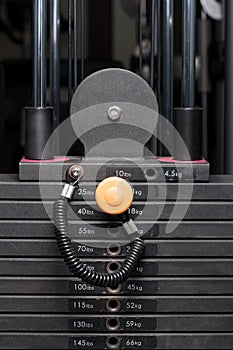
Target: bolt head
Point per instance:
(75, 172)
(114, 113)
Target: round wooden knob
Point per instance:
(114, 195)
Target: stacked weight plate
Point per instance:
(181, 296)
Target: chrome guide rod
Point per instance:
(152, 59)
(229, 87)
(55, 98)
(188, 52)
(159, 52)
(168, 59)
(70, 53)
(40, 55)
(75, 44)
(82, 39)
(140, 36)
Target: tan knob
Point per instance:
(114, 195)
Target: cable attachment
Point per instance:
(114, 199)
(68, 191)
(75, 172)
(128, 223)
(130, 227)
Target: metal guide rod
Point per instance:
(152, 63)
(55, 60)
(229, 88)
(204, 35)
(75, 44)
(140, 36)
(40, 56)
(188, 119)
(168, 59)
(159, 52)
(188, 52)
(82, 39)
(70, 53)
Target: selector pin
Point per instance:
(114, 195)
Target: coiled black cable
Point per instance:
(81, 270)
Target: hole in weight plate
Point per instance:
(113, 343)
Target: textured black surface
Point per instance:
(68, 286)
(219, 189)
(116, 87)
(180, 298)
(35, 171)
(98, 342)
(158, 323)
(35, 210)
(128, 305)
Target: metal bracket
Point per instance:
(125, 137)
(114, 113)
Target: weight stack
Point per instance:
(181, 295)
